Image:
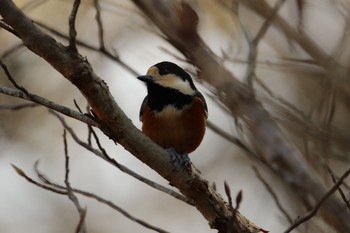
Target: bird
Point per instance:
(174, 112)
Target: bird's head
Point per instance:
(169, 75)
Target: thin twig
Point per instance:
(77, 106)
(239, 198)
(12, 80)
(99, 25)
(18, 106)
(230, 138)
(89, 137)
(81, 223)
(334, 179)
(253, 44)
(72, 30)
(313, 212)
(70, 193)
(228, 194)
(30, 180)
(273, 194)
(49, 104)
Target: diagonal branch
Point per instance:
(314, 210)
(49, 104)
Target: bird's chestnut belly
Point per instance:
(182, 129)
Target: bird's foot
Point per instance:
(179, 159)
(185, 159)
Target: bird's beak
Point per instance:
(146, 78)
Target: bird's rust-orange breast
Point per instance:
(182, 129)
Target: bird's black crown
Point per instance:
(167, 67)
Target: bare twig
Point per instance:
(18, 106)
(30, 180)
(12, 80)
(300, 6)
(253, 44)
(77, 106)
(273, 194)
(70, 193)
(89, 137)
(49, 104)
(99, 25)
(334, 179)
(313, 212)
(81, 222)
(72, 30)
(230, 138)
(239, 198)
(228, 194)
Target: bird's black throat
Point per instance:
(159, 97)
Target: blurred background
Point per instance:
(32, 134)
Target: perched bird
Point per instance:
(174, 112)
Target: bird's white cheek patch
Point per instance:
(176, 83)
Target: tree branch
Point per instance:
(318, 205)
(49, 104)
(70, 193)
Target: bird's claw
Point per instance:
(179, 159)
